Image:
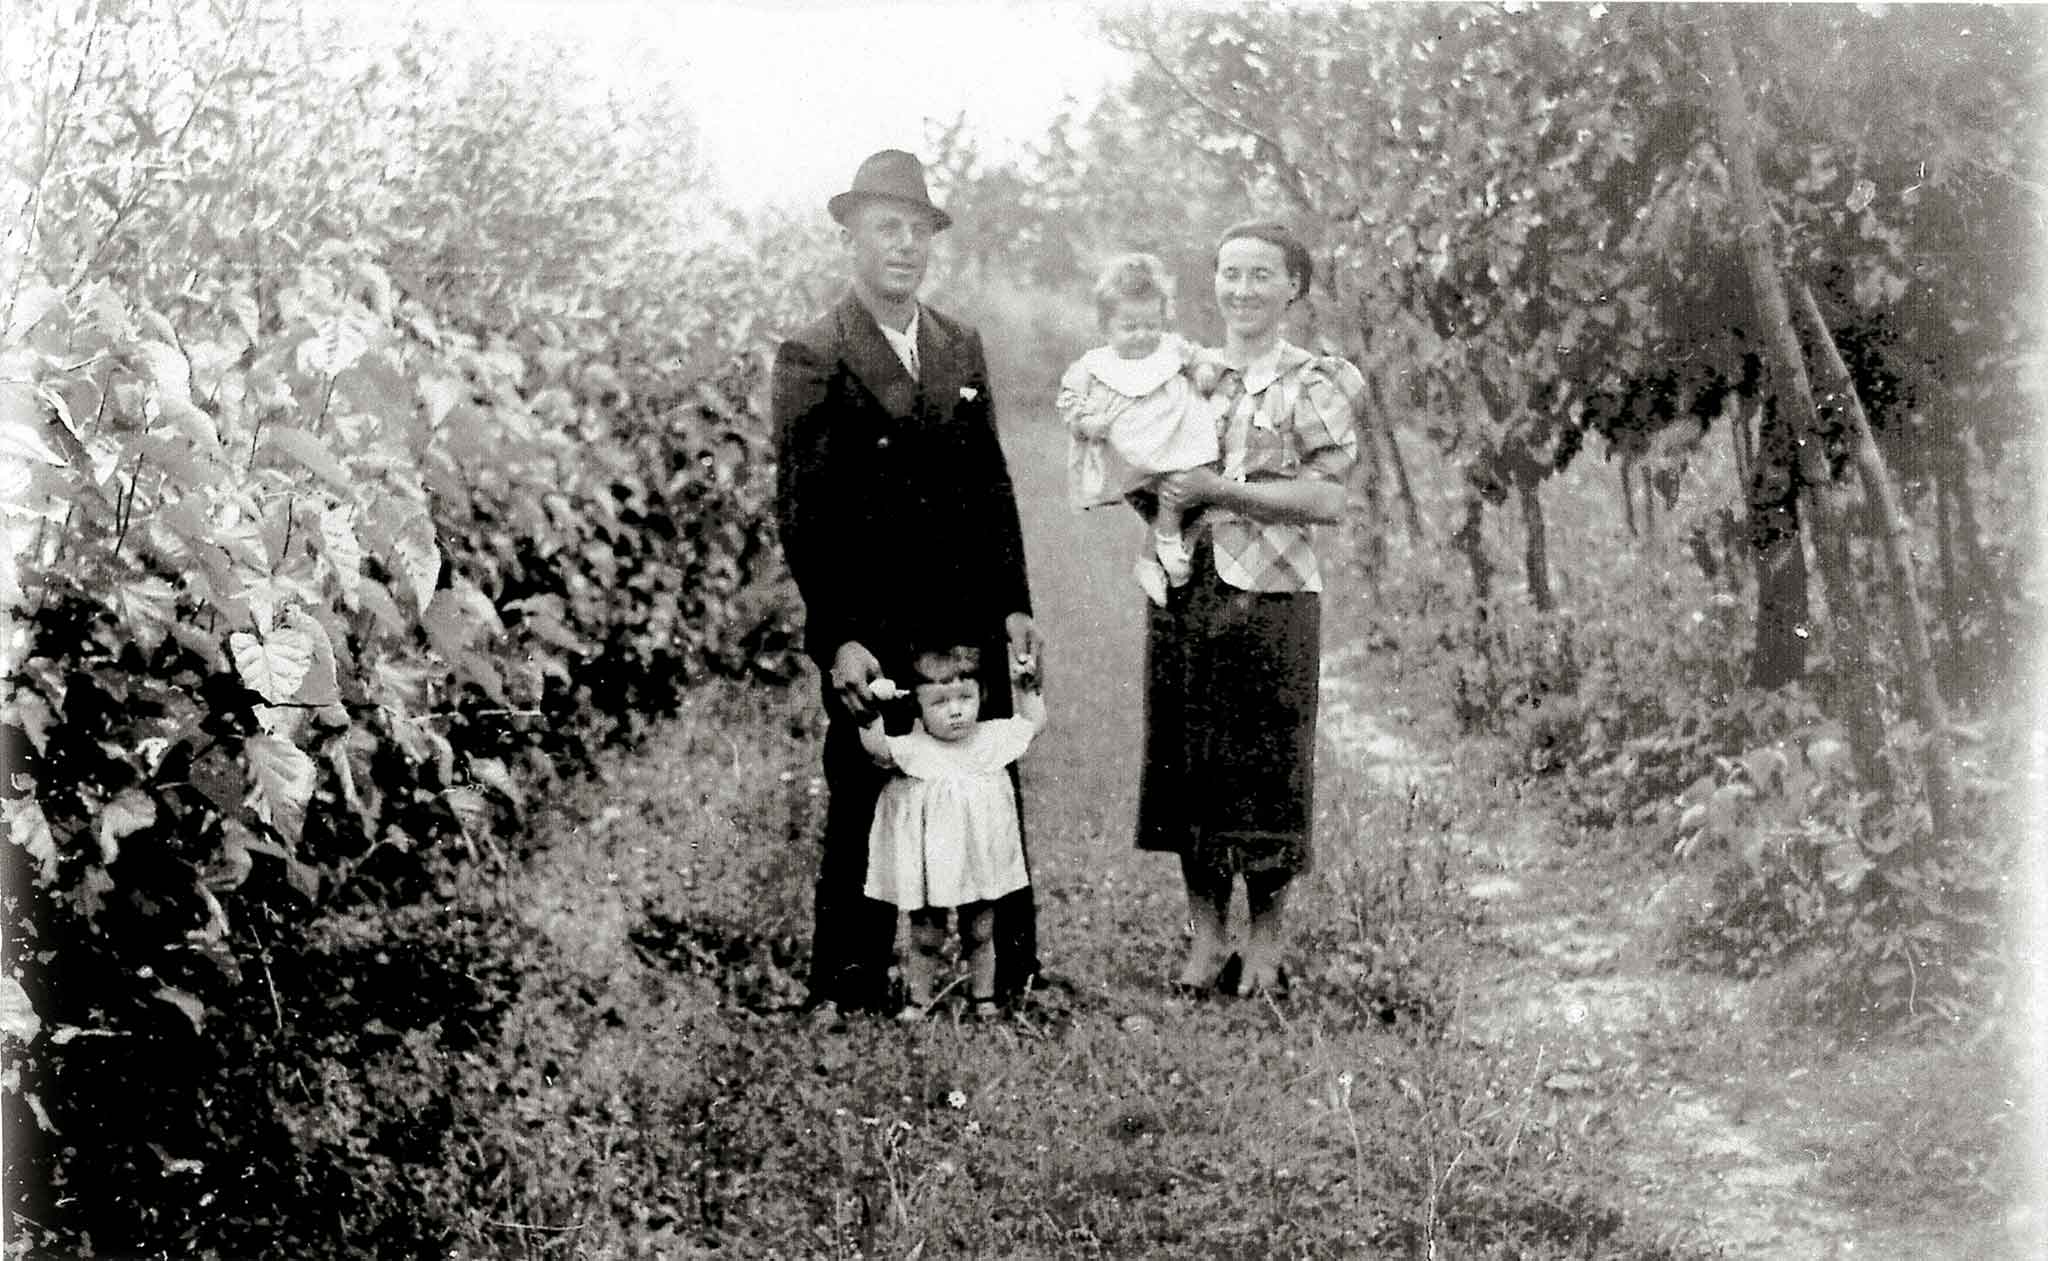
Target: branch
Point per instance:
(32, 203)
(135, 196)
(1290, 176)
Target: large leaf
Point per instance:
(31, 307)
(147, 607)
(439, 393)
(18, 1019)
(189, 420)
(27, 828)
(275, 665)
(122, 818)
(342, 551)
(310, 452)
(168, 368)
(22, 423)
(320, 686)
(331, 350)
(448, 625)
(283, 776)
(186, 1002)
(416, 553)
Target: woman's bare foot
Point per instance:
(1267, 902)
(1204, 961)
(1260, 976)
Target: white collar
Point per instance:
(905, 342)
(1261, 372)
(1135, 378)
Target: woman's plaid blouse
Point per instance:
(1290, 415)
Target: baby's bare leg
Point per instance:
(1167, 543)
(978, 943)
(927, 938)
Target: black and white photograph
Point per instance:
(1070, 629)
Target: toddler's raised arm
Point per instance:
(1031, 707)
(876, 741)
(1027, 689)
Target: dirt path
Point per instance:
(1717, 1127)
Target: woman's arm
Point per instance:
(1291, 501)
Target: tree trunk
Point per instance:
(1535, 548)
(1945, 552)
(1628, 499)
(1738, 438)
(1772, 509)
(1400, 466)
(1472, 542)
(1372, 549)
(1793, 392)
(1907, 614)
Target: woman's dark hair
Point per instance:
(1301, 268)
(946, 663)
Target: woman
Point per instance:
(1232, 661)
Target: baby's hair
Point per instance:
(1130, 277)
(946, 664)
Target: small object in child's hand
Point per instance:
(884, 690)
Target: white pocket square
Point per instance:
(968, 394)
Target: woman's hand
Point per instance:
(1192, 488)
(1291, 501)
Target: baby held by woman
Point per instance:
(1136, 408)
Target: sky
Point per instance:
(791, 94)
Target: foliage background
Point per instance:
(383, 441)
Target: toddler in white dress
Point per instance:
(946, 832)
(1136, 409)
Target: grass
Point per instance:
(654, 1095)
(661, 1103)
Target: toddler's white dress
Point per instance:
(946, 829)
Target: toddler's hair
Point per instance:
(946, 664)
(1129, 277)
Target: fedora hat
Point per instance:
(891, 175)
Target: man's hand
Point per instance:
(853, 668)
(1027, 647)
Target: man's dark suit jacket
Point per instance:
(899, 523)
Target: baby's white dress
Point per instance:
(946, 829)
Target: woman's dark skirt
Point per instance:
(1230, 726)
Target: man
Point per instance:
(899, 523)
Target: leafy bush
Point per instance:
(1642, 721)
(332, 550)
